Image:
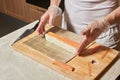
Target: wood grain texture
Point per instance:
(93, 64)
(2, 6)
(63, 42)
(14, 8)
(49, 49)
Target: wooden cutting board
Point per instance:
(96, 60)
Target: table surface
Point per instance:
(15, 66)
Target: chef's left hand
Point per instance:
(91, 33)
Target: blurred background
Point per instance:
(14, 14)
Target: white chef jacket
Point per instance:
(79, 13)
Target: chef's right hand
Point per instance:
(92, 31)
(48, 17)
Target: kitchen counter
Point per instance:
(15, 66)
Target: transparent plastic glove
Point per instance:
(91, 33)
(48, 17)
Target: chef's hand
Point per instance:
(48, 17)
(92, 31)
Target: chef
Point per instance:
(89, 17)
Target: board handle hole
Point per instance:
(93, 62)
